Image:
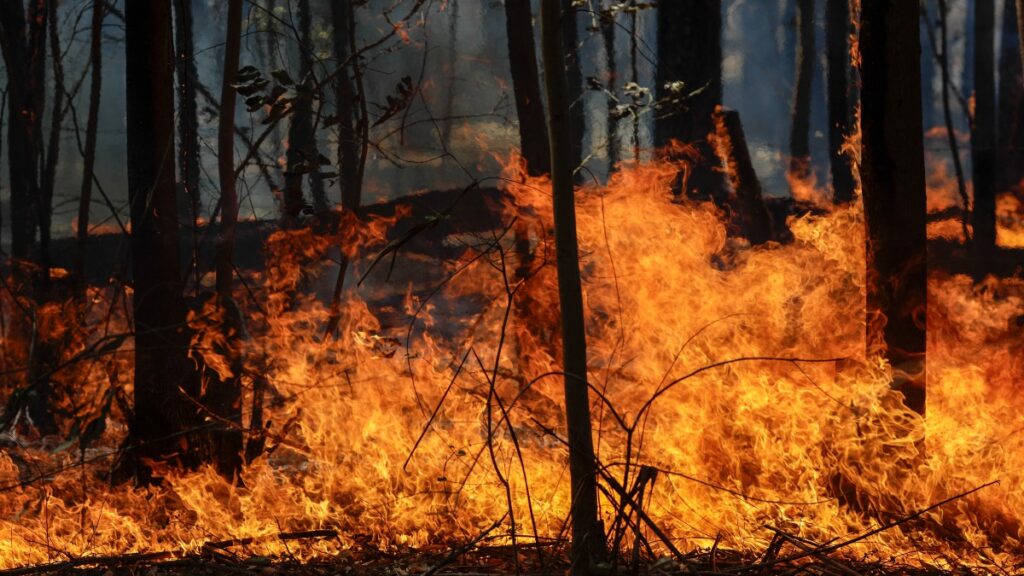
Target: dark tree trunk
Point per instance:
(345, 101)
(574, 76)
(533, 132)
(754, 221)
(91, 127)
(1020, 27)
(967, 72)
(983, 138)
(163, 422)
(690, 51)
(188, 195)
(25, 102)
(840, 116)
(892, 175)
(49, 174)
(800, 122)
(224, 395)
(302, 156)
(611, 83)
(928, 109)
(1011, 103)
(587, 536)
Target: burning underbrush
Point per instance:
(731, 397)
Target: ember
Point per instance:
(674, 344)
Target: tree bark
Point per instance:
(163, 422)
(574, 78)
(302, 155)
(49, 174)
(611, 79)
(533, 131)
(224, 395)
(91, 128)
(755, 222)
(1011, 104)
(587, 535)
(983, 138)
(1020, 28)
(840, 116)
(188, 195)
(892, 175)
(800, 123)
(23, 92)
(690, 51)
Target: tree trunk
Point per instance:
(983, 138)
(1020, 28)
(91, 127)
(967, 72)
(533, 132)
(53, 146)
(755, 222)
(587, 535)
(189, 199)
(799, 170)
(23, 128)
(611, 80)
(690, 51)
(837, 24)
(224, 395)
(345, 96)
(1011, 104)
(163, 423)
(574, 78)
(892, 175)
(302, 155)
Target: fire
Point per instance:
(737, 373)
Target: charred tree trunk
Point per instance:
(350, 141)
(690, 60)
(49, 174)
(1011, 104)
(755, 222)
(163, 421)
(983, 138)
(188, 195)
(840, 115)
(533, 131)
(587, 535)
(224, 394)
(574, 76)
(302, 156)
(611, 73)
(892, 175)
(1020, 28)
(800, 123)
(91, 127)
(24, 100)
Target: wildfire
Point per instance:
(737, 373)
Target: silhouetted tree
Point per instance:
(892, 175)
(607, 22)
(983, 138)
(574, 76)
(1011, 103)
(587, 536)
(533, 132)
(302, 155)
(25, 93)
(162, 418)
(690, 62)
(840, 117)
(800, 121)
(91, 129)
(188, 195)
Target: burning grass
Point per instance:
(734, 407)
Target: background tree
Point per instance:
(189, 198)
(587, 536)
(25, 88)
(1010, 161)
(892, 176)
(840, 117)
(800, 123)
(533, 131)
(91, 128)
(574, 76)
(690, 53)
(607, 24)
(983, 138)
(162, 421)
